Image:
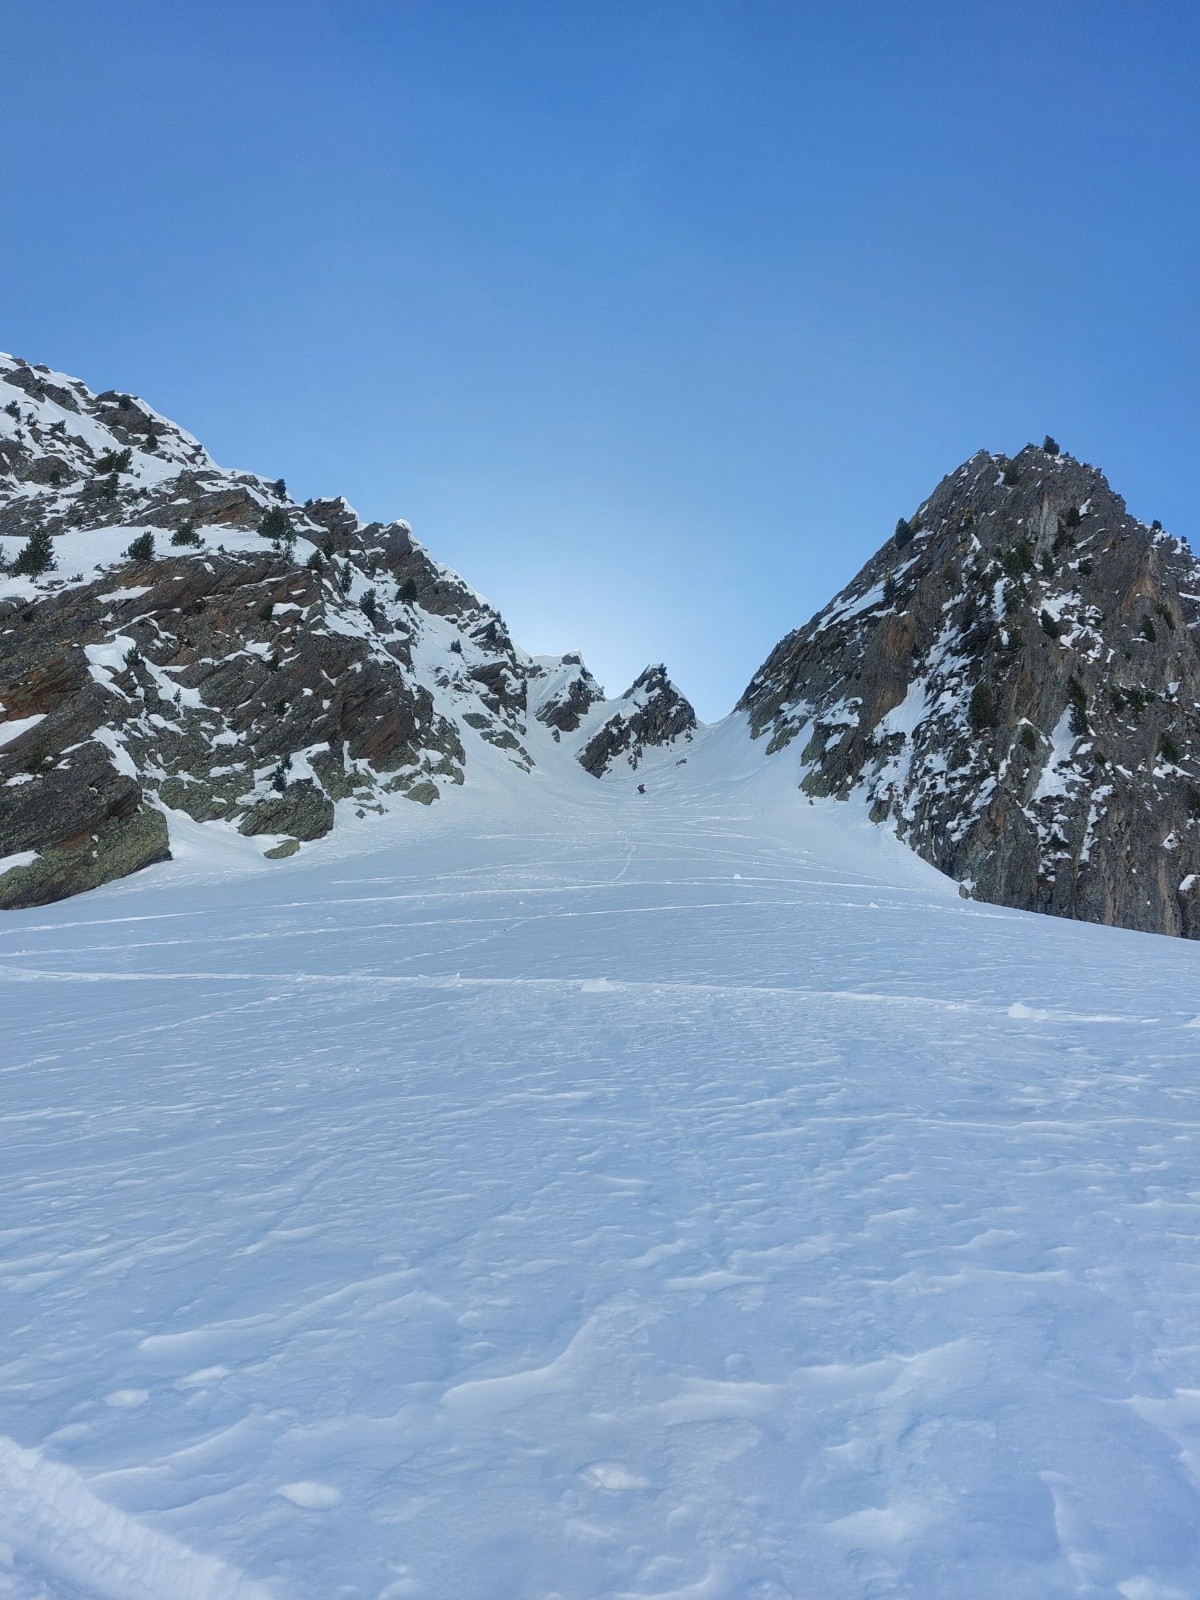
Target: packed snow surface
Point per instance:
(560, 1192)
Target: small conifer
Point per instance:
(36, 556)
(983, 711)
(1050, 625)
(1077, 695)
(277, 525)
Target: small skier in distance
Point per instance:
(641, 788)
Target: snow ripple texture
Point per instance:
(567, 1193)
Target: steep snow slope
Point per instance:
(557, 1192)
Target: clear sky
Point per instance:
(652, 316)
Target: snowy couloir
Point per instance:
(1011, 683)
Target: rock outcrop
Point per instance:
(1013, 683)
(565, 693)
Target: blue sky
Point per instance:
(651, 315)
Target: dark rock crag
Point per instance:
(1012, 682)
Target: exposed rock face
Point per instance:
(202, 644)
(233, 686)
(119, 837)
(1013, 681)
(651, 714)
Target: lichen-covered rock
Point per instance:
(1013, 683)
(301, 809)
(201, 675)
(120, 845)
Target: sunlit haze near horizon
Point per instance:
(652, 318)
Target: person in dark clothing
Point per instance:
(641, 788)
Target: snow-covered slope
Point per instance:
(183, 643)
(558, 1191)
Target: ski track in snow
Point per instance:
(691, 1198)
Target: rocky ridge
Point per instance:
(201, 644)
(1013, 683)
(650, 715)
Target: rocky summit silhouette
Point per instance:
(1012, 683)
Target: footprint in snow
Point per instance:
(613, 1476)
(311, 1496)
(127, 1399)
(201, 1378)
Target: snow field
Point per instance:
(561, 1194)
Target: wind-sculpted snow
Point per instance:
(679, 1195)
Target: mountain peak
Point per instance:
(1012, 682)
